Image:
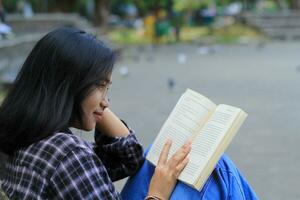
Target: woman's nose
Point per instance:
(104, 103)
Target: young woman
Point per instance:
(63, 83)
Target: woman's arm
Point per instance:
(117, 147)
(166, 172)
(111, 125)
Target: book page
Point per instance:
(220, 150)
(188, 116)
(207, 141)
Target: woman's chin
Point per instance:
(88, 127)
(87, 124)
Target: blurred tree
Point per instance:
(281, 4)
(101, 11)
(294, 4)
(62, 6)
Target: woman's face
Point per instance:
(94, 104)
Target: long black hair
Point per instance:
(47, 93)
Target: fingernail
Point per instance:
(188, 143)
(169, 141)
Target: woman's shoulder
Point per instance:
(44, 156)
(64, 142)
(51, 151)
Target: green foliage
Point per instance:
(144, 7)
(80, 7)
(292, 4)
(227, 34)
(127, 36)
(236, 33)
(147, 6)
(10, 5)
(227, 2)
(190, 5)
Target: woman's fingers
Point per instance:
(180, 154)
(179, 160)
(165, 152)
(167, 171)
(181, 165)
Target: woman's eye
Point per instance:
(103, 86)
(100, 85)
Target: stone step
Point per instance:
(27, 31)
(45, 22)
(282, 25)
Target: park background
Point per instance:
(243, 53)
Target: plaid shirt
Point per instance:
(64, 166)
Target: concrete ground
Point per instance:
(264, 80)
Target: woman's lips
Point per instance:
(98, 115)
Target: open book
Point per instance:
(211, 128)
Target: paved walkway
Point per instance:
(263, 81)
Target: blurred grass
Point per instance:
(2, 95)
(227, 34)
(3, 195)
(237, 33)
(127, 36)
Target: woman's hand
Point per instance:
(167, 171)
(111, 125)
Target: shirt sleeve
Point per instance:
(81, 175)
(122, 156)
